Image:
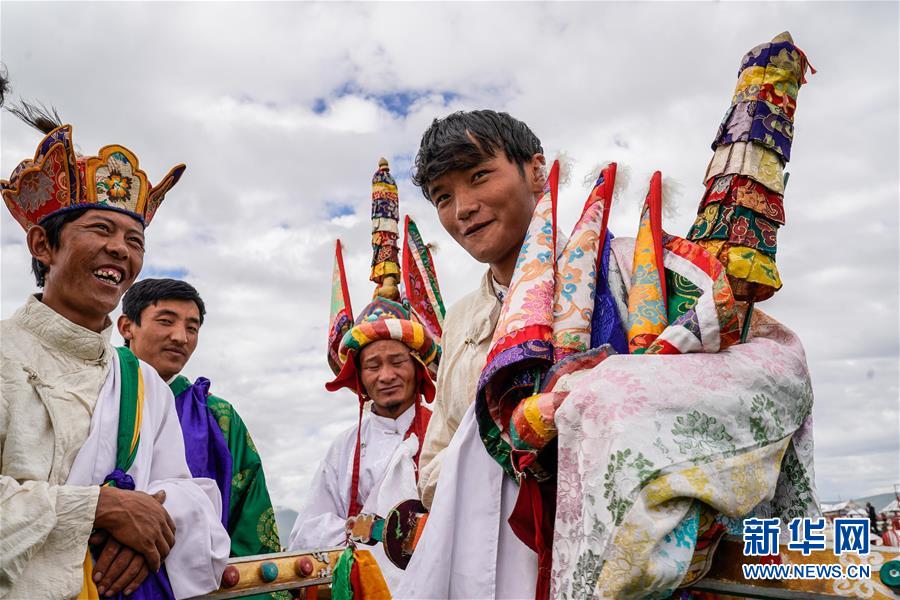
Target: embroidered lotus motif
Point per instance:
(116, 181)
(115, 186)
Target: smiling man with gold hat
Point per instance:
(386, 358)
(96, 496)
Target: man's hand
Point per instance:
(137, 520)
(119, 568)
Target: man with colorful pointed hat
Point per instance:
(386, 358)
(160, 322)
(97, 498)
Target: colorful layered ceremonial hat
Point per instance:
(742, 208)
(384, 319)
(57, 180)
(412, 316)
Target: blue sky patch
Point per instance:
(338, 209)
(396, 102)
(401, 166)
(171, 273)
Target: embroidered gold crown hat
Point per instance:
(57, 180)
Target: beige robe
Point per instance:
(468, 329)
(51, 376)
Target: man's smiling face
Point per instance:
(99, 256)
(167, 335)
(487, 208)
(387, 372)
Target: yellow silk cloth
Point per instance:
(89, 588)
(745, 263)
(372, 584)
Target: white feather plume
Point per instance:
(671, 191)
(565, 167)
(623, 178)
(623, 181)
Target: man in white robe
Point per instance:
(59, 418)
(479, 171)
(485, 204)
(389, 368)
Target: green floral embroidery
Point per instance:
(661, 446)
(224, 424)
(266, 530)
(798, 496)
(804, 404)
(683, 295)
(250, 443)
(572, 341)
(240, 480)
(587, 571)
(618, 462)
(698, 433)
(762, 410)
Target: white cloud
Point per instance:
(282, 110)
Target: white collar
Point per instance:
(398, 425)
(63, 334)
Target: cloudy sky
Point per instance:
(282, 110)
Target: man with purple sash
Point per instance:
(161, 323)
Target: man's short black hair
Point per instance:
(464, 139)
(148, 292)
(53, 226)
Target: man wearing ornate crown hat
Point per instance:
(386, 358)
(91, 448)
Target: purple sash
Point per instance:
(156, 586)
(205, 448)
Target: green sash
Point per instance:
(131, 409)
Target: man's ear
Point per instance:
(537, 172)
(39, 245)
(125, 326)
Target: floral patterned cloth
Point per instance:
(738, 225)
(647, 295)
(576, 271)
(732, 190)
(757, 121)
(649, 444)
(749, 159)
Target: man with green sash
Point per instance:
(161, 323)
(95, 493)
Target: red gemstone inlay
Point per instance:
(303, 566)
(231, 576)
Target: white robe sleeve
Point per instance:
(35, 514)
(320, 522)
(199, 556)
